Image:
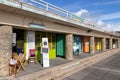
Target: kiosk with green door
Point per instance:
(60, 45)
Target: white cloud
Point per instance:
(110, 16)
(102, 25)
(100, 22)
(109, 27)
(112, 27)
(82, 12)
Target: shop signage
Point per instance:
(114, 46)
(30, 42)
(44, 52)
(35, 25)
(14, 39)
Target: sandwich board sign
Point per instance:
(44, 52)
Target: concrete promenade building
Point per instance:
(23, 25)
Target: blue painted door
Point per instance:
(77, 45)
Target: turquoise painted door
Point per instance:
(77, 45)
(60, 45)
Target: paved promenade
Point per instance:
(108, 69)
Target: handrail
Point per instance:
(59, 11)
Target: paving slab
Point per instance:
(32, 67)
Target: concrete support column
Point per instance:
(116, 43)
(103, 44)
(92, 45)
(110, 43)
(5, 49)
(119, 43)
(69, 46)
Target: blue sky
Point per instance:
(100, 11)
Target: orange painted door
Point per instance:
(86, 44)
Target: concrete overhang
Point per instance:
(28, 10)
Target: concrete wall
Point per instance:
(18, 20)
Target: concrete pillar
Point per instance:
(5, 49)
(116, 43)
(69, 46)
(119, 43)
(110, 43)
(103, 44)
(92, 45)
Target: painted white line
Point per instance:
(105, 69)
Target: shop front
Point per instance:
(98, 44)
(18, 43)
(56, 43)
(25, 40)
(51, 42)
(114, 43)
(77, 45)
(107, 43)
(86, 44)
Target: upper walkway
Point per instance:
(50, 11)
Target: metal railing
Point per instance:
(59, 11)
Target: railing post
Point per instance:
(70, 15)
(47, 6)
(20, 1)
(67, 14)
